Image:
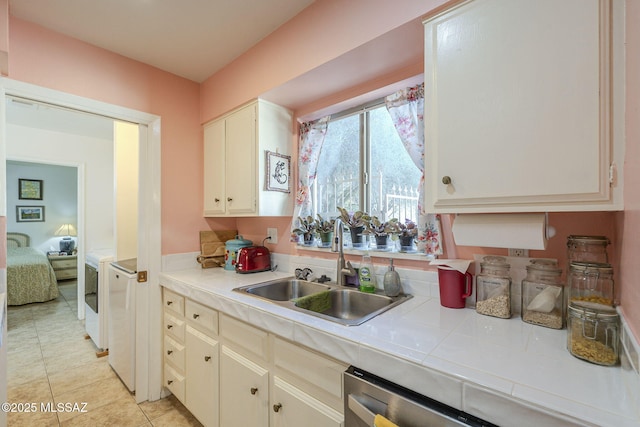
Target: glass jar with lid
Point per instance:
(593, 335)
(543, 295)
(590, 285)
(587, 249)
(493, 287)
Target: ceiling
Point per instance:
(190, 38)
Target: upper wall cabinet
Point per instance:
(235, 161)
(524, 106)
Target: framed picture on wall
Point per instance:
(278, 171)
(29, 213)
(30, 189)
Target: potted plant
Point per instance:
(356, 223)
(381, 230)
(307, 229)
(407, 235)
(325, 230)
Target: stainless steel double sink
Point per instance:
(347, 306)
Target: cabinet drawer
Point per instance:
(174, 353)
(246, 339)
(174, 326)
(174, 382)
(63, 263)
(203, 317)
(66, 274)
(318, 370)
(173, 302)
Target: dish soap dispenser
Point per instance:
(367, 275)
(392, 287)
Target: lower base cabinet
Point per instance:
(232, 374)
(202, 358)
(293, 407)
(244, 401)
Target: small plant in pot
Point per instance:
(408, 232)
(382, 230)
(307, 229)
(325, 230)
(356, 222)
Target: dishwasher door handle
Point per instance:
(360, 409)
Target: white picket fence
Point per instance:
(394, 202)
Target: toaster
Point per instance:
(253, 259)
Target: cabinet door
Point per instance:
(214, 168)
(241, 184)
(202, 376)
(244, 401)
(518, 106)
(293, 407)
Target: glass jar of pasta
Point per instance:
(593, 334)
(590, 285)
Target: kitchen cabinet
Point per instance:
(191, 355)
(235, 165)
(266, 380)
(524, 106)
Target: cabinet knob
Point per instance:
(254, 390)
(446, 180)
(169, 326)
(169, 382)
(169, 302)
(195, 316)
(207, 358)
(277, 407)
(216, 200)
(169, 352)
(229, 199)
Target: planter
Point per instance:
(357, 240)
(307, 239)
(326, 238)
(406, 243)
(382, 241)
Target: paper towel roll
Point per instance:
(521, 231)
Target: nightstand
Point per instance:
(64, 266)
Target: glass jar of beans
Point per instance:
(493, 287)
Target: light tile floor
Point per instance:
(50, 362)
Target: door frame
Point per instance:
(148, 364)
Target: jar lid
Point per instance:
(587, 267)
(603, 313)
(495, 261)
(588, 240)
(547, 265)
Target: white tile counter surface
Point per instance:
(505, 371)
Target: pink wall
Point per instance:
(48, 59)
(629, 228)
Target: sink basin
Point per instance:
(284, 289)
(347, 306)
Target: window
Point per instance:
(364, 166)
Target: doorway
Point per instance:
(148, 378)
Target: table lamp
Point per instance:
(67, 244)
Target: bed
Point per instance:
(30, 277)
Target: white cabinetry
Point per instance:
(191, 356)
(524, 106)
(235, 161)
(266, 380)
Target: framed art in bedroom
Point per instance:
(30, 189)
(29, 213)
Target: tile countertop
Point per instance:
(505, 371)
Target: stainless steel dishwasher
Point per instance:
(366, 395)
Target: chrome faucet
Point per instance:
(344, 268)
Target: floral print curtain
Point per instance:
(406, 108)
(311, 139)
